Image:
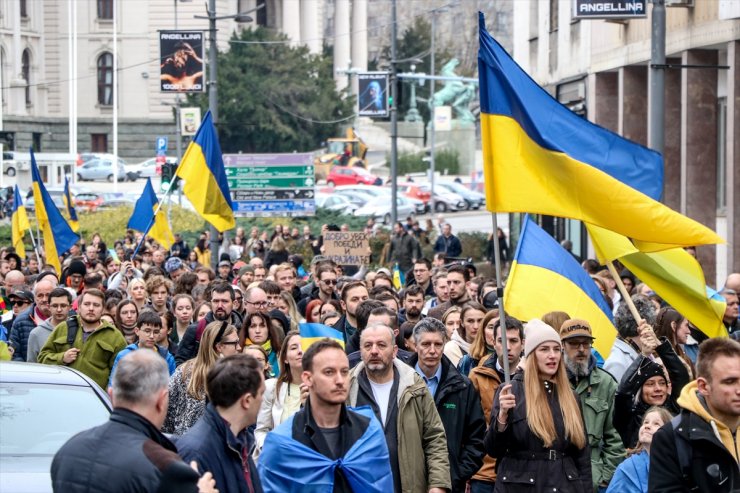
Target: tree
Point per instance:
(274, 97)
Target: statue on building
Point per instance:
(457, 94)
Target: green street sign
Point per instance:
(261, 183)
(269, 171)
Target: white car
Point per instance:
(146, 169)
(380, 208)
(446, 201)
(335, 202)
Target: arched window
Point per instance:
(105, 79)
(26, 73)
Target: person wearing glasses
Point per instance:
(255, 301)
(325, 289)
(148, 329)
(60, 300)
(596, 389)
(188, 384)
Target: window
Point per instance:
(24, 8)
(105, 79)
(26, 73)
(105, 9)
(36, 139)
(99, 142)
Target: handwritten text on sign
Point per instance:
(347, 247)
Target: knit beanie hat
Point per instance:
(537, 332)
(77, 267)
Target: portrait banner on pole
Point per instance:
(181, 61)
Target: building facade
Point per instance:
(600, 69)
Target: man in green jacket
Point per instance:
(595, 388)
(94, 344)
(413, 430)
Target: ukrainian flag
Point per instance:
(202, 168)
(311, 333)
(540, 157)
(673, 274)
(143, 219)
(58, 235)
(67, 198)
(19, 224)
(544, 278)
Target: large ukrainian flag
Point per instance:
(58, 235)
(540, 157)
(19, 224)
(202, 168)
(311, 332)
(144, 220)
(544, 278)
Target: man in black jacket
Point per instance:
(128, 453)
(222, 300)
(457, 402)
(219, 440)
(698, 449)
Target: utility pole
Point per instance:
(213, 103)
(657, 77)
(394, 118)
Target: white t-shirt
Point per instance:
(382, 395)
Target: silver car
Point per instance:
(380, 208)
(100, 169)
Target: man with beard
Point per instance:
(457, 280)
(27, 320)
(596, 389)
(413, 302)
(441, 291)
(85, 342)
(327, 427)
(423, 276)
(405, 409)
(353, 293)
(222, 301)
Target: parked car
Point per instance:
(100, 169)
(84, 157)
(473, 199)
(335, 202)
(444, 200)
(414, 191)
(380, 208)
(146, 169)
(345, 175)
(43, 406)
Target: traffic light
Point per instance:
(167, 172)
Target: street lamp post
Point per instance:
(394, 118)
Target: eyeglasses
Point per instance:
(20, 302)
(579, 345)
(259, 304)
(230, 343)
(331, 282)
(150, 332)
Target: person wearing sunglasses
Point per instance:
(148, 329)
(188, 384)
(325, 290)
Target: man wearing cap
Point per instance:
(30, 318)
(74, 276)
(18, 301)
(245, 277)
(596, 389)
(174, 267)
(12, 279)
(224, 271)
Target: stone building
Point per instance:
(600, 69)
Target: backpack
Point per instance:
(72, 326)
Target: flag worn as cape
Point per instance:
(286, 465)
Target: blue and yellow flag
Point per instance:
(673, 274)
(142, 219)
(312, 332)
(19, 224)
(544, 277)
(540, 157)
(74, 223)
(58, 235)
(202, 168)
(399, 278)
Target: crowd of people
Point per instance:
(213, 390)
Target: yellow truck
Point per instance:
(346, 151)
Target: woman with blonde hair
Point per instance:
(482, 345)
(451, 319)
(286, 304)
(137, 292)
(188, 383)
(537, 433)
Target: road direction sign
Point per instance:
(273, 194)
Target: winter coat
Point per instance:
(440, 309)
(96, 356)
(271, 411)
(486, 380)
(183, 409)
(125, 455)
(620, 358)
(459, 409)
(596, 393)
(162, 351)
(212, 444)
(36, 340)
(402, 251)
(629, 408)
(631, 475)
(188, 346)
(22, 327)
(569, 470)
(422, 446)
(275, 257)
(449, 245)
(710, 451)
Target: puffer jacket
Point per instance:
(524, 464)
(22, 327)
(486, 380)
(96, 355)
(422, 445)
(596, 393)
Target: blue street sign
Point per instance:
(162, 144)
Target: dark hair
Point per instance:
(272, 334)
(413, 290)
(231, 378)
(93, 292)
(60, 293)
(378, 290)
(324, 268)
(624, 321)
(362, 313)
(384, 310)
(316, 348)
(120, 307)
(222, 287)
(207, 270)
(352, 285)
(149, 317)
(425, 261)
(710, 350)
(185, 283)
(459, 269)
(269, 287)
(592, 266)
(511, 323)
(285, 373)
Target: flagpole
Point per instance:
(500, 292)
(35, 248)
(623, 291)
(151, 221)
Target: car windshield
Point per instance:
(37, 419)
